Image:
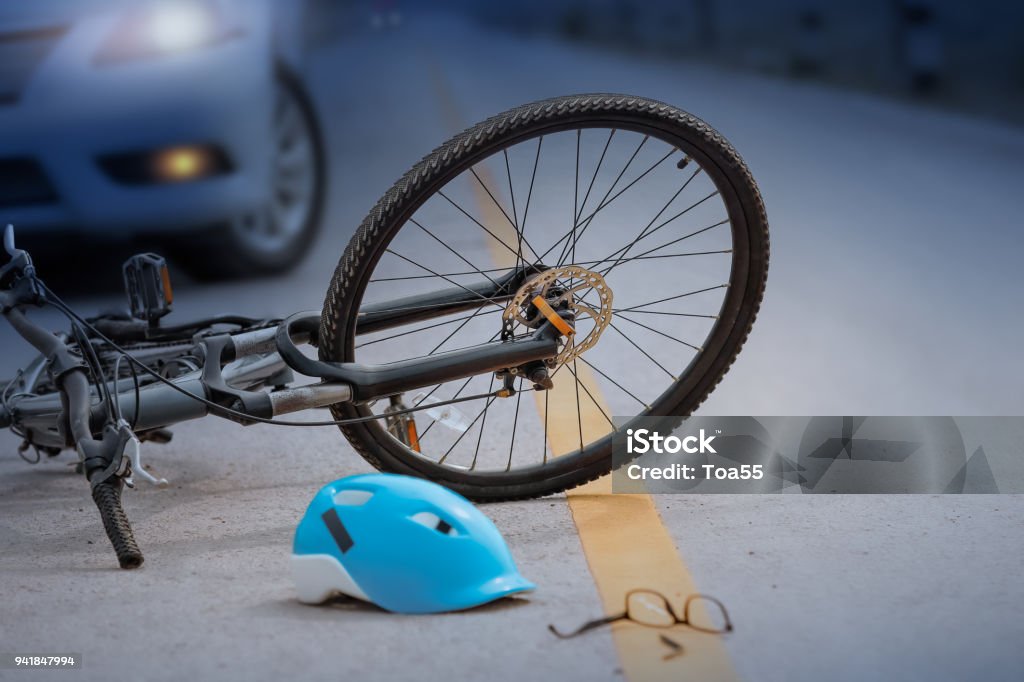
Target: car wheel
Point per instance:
(276, 236)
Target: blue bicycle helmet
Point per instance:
(402, 543)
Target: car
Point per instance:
(185, 119)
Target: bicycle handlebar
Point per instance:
(99, 457)
(74, 387)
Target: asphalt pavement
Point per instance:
(895, 288)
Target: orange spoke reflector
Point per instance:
(414, 436)
(554, 318)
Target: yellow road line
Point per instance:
(624, 540)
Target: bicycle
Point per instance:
(544, 313)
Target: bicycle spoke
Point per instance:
(646, 234)
(579, 412)
(579, 385)
(575, 194)
(577, 222)
(515, 422)
(676, 241)
(481, 225)
(463, 434)
(457, 254)
(456, 331)
(615, 383)
(493, 198)
(667, 336)
(576, 180)
(434, 421)
(576, 216)
(446, 274)
(591, 263)
(515, 214)
(664, 255)
(547, 394)
(447, 279)
(664, 312)
(483, 425)
(600, 204)
(590, 219)
(431, 326)
(643, 232)
(529, 195)
(645, 353)
(411, 308)
(605, 201)
(672, 298)
(457, 393)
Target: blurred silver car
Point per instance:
(183, 117)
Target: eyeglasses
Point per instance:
(653, 609)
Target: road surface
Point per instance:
(895, 288)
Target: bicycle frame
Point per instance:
(237, 365)
(102, 418)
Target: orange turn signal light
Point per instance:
(178, 164)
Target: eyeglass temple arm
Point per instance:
(586, 627)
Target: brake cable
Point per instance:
(95, 368)
(227, 412)
(135, 384)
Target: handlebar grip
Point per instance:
(107, 497)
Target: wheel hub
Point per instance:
(576, 295)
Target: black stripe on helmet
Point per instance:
(337, 529)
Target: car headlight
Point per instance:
(165, 28)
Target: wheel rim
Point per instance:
(595, 189)
(277, 225)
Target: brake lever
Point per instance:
(18, 275)
(9, 241)
(133, 451)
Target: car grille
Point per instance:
(20, 53)
(23, 182)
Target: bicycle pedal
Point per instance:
(147, 282)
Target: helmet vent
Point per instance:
(434, 522)
(353, 498)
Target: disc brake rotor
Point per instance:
(572, 289)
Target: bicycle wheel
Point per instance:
(646, 196)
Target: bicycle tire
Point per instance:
(749, 225)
